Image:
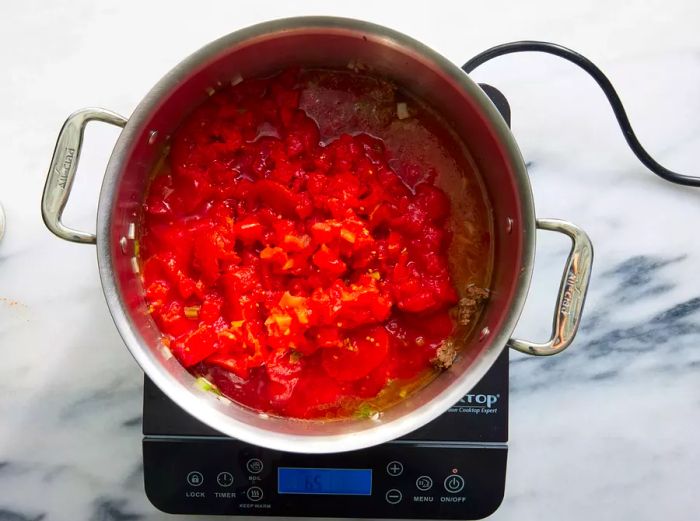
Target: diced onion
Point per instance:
(192, 312)
(402, 111)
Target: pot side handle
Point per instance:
(64, 165)
(572, 291)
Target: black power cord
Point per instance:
(604, 83)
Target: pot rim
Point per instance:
(202, 409)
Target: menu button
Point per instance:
(424, 483)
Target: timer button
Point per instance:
(224, 479)
(393, 496)
(454, 483)
(195, 478)
(254, 493)
(254, 466)
(394, 468)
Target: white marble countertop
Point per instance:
(606, 431)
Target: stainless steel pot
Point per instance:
(327, 42)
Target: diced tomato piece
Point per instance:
(327, 336)
(249, 231)
(325, 232)
(174, 238)
(359, 303)
(236, 363)
(194, 347)
(366, 348)
(210, 310)
(381, 215)
(158, 292)
(285, 97)
(171, 319)
(433, 200)
(283, 371)
(303, 136)
(275, 196)
(315, 395)
(207, 252)
(329, 262)
(239, 281)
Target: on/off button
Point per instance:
(454, 483)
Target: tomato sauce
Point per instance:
(296, 247)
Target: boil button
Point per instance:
(454, 483)
(254, 466)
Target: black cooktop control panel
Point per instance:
(453, 468)
(395, 480)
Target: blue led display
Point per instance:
(347, 482)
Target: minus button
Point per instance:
(393, 496)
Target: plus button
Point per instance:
(394, 468)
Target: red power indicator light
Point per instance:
(454, 471)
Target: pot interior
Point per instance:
(323, 43)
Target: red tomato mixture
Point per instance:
(300, 277)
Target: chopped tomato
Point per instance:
(363, 351)
(195, 346)
(300, 275)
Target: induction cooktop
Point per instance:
(452, 468)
